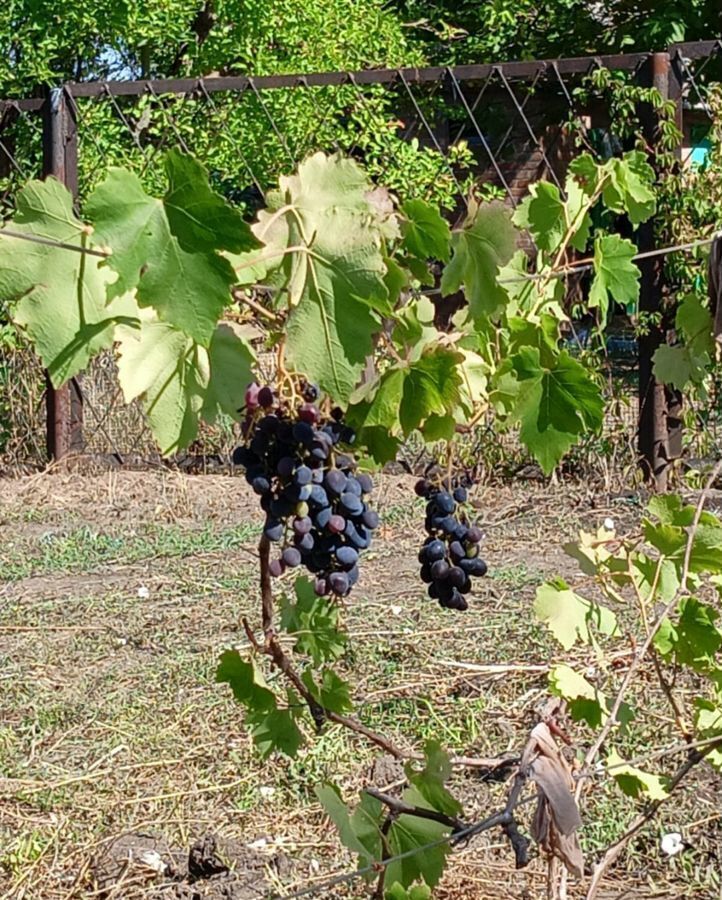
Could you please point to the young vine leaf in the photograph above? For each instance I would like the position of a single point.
(272, 728)
(426, 235)
(635, 782)
(313, 621)
(571, 617)
(430, 781)
(615, 275)
(486, 241)
(552, 398)
(689, 361)
(586, 702)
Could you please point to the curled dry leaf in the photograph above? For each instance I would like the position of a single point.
(556, 818)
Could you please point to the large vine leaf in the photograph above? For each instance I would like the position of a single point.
(58, 296)
(486, 241)
(170, 373)
(165, 249)
(231, 360)
(554, 400)
(330, 237)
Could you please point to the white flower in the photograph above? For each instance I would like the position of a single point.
(671, 843)
(266, 792)
(397, 610)
(609, 524)
(143, 592)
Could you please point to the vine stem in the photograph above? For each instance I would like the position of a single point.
(273, 648)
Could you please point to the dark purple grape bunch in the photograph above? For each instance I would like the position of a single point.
(450, 555)
(311, 492)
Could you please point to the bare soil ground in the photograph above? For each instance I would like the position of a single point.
(125, 771)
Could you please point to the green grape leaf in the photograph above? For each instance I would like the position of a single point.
(586, 703)
(439, 428)
(333, 269)
(694, 639)
(360, 831)
(396, 280)
(246, 680)
(543, 214)
(426, 234)
(415, 892)
(170, 373)
(415, 329)
(409, 833)
(708, 722)
(687, 362)
(615, 275)
(671, 541)
(201, 219)
(408, 396)
(570, 617)
(332, 693)
(633, 781)
(274, 730)
(154, 249)
(486, 242)
(314, 622)
(231, 359)
(430, 781)
(554, 400)
(630, 187)
(58, 296)
(431, 387)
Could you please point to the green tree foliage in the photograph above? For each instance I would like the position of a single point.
(498, 30)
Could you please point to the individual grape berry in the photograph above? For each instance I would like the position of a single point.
(261, 485)
(335, 481)
(370, 518)
(338, 582)
(265, 397)
(347, 556)
(311, 393)
(251, 397)
(276, 568)
(336, 524)
(308, 413)
(302, 475)
(291, 557)
(273, 530)
(460, 494)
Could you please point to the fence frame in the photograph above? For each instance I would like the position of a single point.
(659, 426)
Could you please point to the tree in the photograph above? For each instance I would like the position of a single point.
(498, 30)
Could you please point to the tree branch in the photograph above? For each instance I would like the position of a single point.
(406, 809)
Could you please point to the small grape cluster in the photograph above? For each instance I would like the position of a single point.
(450, 555)
(311, 493)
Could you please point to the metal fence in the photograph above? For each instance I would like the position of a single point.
(451, 131)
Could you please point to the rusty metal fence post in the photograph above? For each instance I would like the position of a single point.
(60, 159)
(659, 436)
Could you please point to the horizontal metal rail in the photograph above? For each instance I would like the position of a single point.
(426, 75)
(515, 70)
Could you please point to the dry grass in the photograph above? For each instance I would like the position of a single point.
(112, 723)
